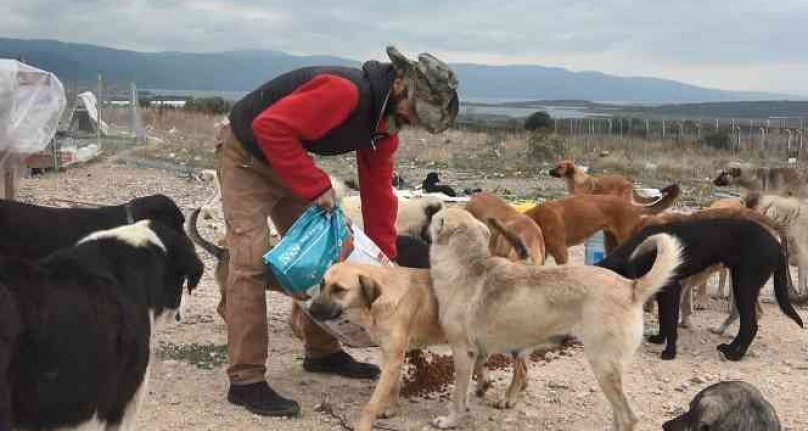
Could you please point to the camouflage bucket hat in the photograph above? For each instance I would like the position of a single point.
(432, 89)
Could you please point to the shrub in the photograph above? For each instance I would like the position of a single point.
(718, 140)
(538, 121)
(545, 148)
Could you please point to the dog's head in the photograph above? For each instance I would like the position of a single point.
(564, 168)
(183, 272)
(160, 208)
(452, 223)
(728, 175)
(432, 178)
(345, 286)
(726, 406)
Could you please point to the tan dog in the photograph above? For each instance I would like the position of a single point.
(398, 308)
(781, 181)
(491, 305)
(570, 221)
(485, 206)
(581, 183)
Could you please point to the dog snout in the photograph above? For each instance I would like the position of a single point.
(322, 310)
(721, 179)
(555, 173)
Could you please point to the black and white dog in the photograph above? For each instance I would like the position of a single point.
(727, 406)
(77, 351)
(747, 250)
(32, 231)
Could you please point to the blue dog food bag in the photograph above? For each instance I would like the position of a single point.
(315, 241)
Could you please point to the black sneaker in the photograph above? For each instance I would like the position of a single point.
(341, 364)
(260, 399)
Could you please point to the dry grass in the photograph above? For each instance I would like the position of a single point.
(518, 160)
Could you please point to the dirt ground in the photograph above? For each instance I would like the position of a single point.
(188, 382)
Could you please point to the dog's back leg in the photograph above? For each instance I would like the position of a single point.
(668, 300)
(608, 372)
(518, 382)
(465, 356)
(747, 280)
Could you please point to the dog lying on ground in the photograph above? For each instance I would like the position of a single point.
(492, 305)
(727, 406)
(32, 231)
(485, 206)
(581, 183)
(783, 181)
(412, 253)
(85, 315)
(432, 184)
(570, 221)
(745, 247)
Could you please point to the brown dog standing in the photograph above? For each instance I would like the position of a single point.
(569, 221)
(581, 183)
(485, 206)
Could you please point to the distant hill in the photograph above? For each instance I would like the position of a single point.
(244, 70)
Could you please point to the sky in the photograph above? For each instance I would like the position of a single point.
(748, 45)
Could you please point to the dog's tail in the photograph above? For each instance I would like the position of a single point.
(668, 259)
(217, 252)
(669, 195)
(782, 282)
(516, 242)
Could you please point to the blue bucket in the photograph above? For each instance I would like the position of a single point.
(594, 248)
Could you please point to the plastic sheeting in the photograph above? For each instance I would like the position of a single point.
(31, 104)
(90, 103)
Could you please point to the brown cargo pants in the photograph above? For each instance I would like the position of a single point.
(251, 192)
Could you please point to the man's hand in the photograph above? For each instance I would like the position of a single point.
(327, 200)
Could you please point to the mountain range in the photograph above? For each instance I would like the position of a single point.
(244, 70)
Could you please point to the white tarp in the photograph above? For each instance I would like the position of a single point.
(90, 103)
(31, 104)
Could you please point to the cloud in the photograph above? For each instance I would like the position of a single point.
(737, 44)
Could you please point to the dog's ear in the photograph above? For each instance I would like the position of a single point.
(752, 199)
(370, 289)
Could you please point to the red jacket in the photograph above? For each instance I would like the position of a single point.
(307, 114)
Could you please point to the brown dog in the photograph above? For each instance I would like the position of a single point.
(570, 221)
(485, 206)
(581, 183)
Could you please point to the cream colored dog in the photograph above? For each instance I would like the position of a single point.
(398, 308)
(492, 305)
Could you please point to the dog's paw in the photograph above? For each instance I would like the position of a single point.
(667, 355)
(389, 412)
(482, 388)
(656, 339)
(730, 353)
(444, 422)
(504, 403)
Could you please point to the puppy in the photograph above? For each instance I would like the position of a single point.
(492, 305)
(782, 181)
(485, 206)
(570, 221)
(581, 183)
(432, 184)
(727, 406)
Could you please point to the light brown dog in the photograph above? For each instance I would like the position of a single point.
(485, 206)
(490, 305)
(569, 221)
(581, 183)
(398, 308)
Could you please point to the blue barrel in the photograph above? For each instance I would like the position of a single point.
(594, 248)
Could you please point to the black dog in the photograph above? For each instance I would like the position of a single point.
(412, 252)
(747, 249)
(84, 320)
(32, 231)
(727, 406)
(432, 185)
